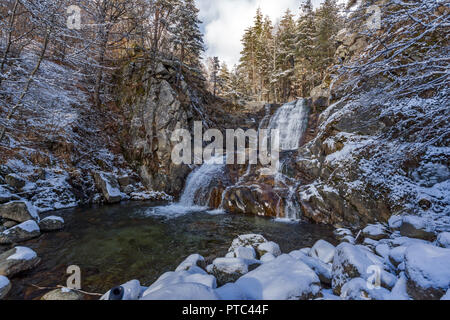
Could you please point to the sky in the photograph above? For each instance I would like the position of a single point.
(224, 22)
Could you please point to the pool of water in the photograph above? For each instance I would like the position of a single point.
(115, 244)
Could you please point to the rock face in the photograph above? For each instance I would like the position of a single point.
(22, 232)
(63, 294)
(428, 272)
(284, 278)
(18, 211)
(109, 186)
(52, 223)
(17, 260)
(5, 286)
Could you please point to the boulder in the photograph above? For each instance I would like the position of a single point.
(284, 278)
(15, 181)
(268, 247)
(109, 186)
(443, 240)
(428, 272)
(359, 289)
(9, 223)
(63, 294)
(22, 232)
(417, 227)
(5, 286)
(19, 211)
(193, 260)
(247, 240)
(131, 291)
(17, 260)
(183, 291)
(375, 232)
(323, 270)
(245, 253)
(52, 223)
(323, 251)
(397, 255)
(228, 270)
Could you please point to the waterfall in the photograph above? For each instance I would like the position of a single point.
(292, 121)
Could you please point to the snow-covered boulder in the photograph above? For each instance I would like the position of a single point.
(22, 232)
(443, 240)
(131, 290)
(323, 251)
(446, 296)
(193, 260)
(193, 275)
(268, 247)
(19, 211)
(375, 232)
(417, 227)
(267, 257)
(397, 255)
(109, 186)
(322, 269)
(395, 222)
(230, 291)
(341, 233)
(63, 294)
(17, 260)
(245, 253)
(230, 269)
(284, 278)
(183, 291)
(428, 270)
(247, 240)
(352, 261)
(52, 223)
(5, 286)
(360, 289)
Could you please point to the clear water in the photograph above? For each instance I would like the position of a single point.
(114, 244)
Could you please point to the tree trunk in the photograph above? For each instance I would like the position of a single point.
(9, 40)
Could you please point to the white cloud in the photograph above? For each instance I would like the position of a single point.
(226, 20)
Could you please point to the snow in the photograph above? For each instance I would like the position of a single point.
(132, 291)
(446, 296)
(284, 278)
(192, 260)
(54, 218)
(229, 292)
(267, 257)
(245, 253)
(23, 253)
(4, 282)
(28, 226)
(374, 230)
(252, 240)
(323, 251)
(358, 289)
(399, 292)
(182, 291)
(428, 266)
(443, 240)
(232, 265)
(269, 247)
(322, 269)
(395, 222)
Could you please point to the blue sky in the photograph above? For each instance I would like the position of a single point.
(224, 22)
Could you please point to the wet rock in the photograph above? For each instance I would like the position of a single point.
(284, 278)
(375, 232)
(15, 181)
(19, 211)
(52, 223)
(17, 260)
(109, 186)
(63, 294)
(5, 286)
(417, 227)
(228, 270)
(443, 240)
(22, 232)
(323, 251)
(428, 272)
(193, 260)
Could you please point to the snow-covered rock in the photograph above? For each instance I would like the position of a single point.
(17, 260)
(52, 223)
(397, 255)
(19, 211)
(129, 291)
(245, 253)
(230, 291)
(183, 291)
(395, 222)
(247, 240)
(399, 292)
(230, 269)
(192, 260)
(193, 275)
(109, 186)
(269, 247)
(428, 271)
(360, 289)
(375, 232)
(15, 181)
(446, 296)
(417, 227)
(323, 270)
(323, 251)
(284, 278)
(22, 232)
(63, 294)
(5, 286)
(267, 257)
(443, 240)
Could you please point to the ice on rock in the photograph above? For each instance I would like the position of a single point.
(192, 260)
(284, 278)
(323, 251)
(182, 291)
(428, 271)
